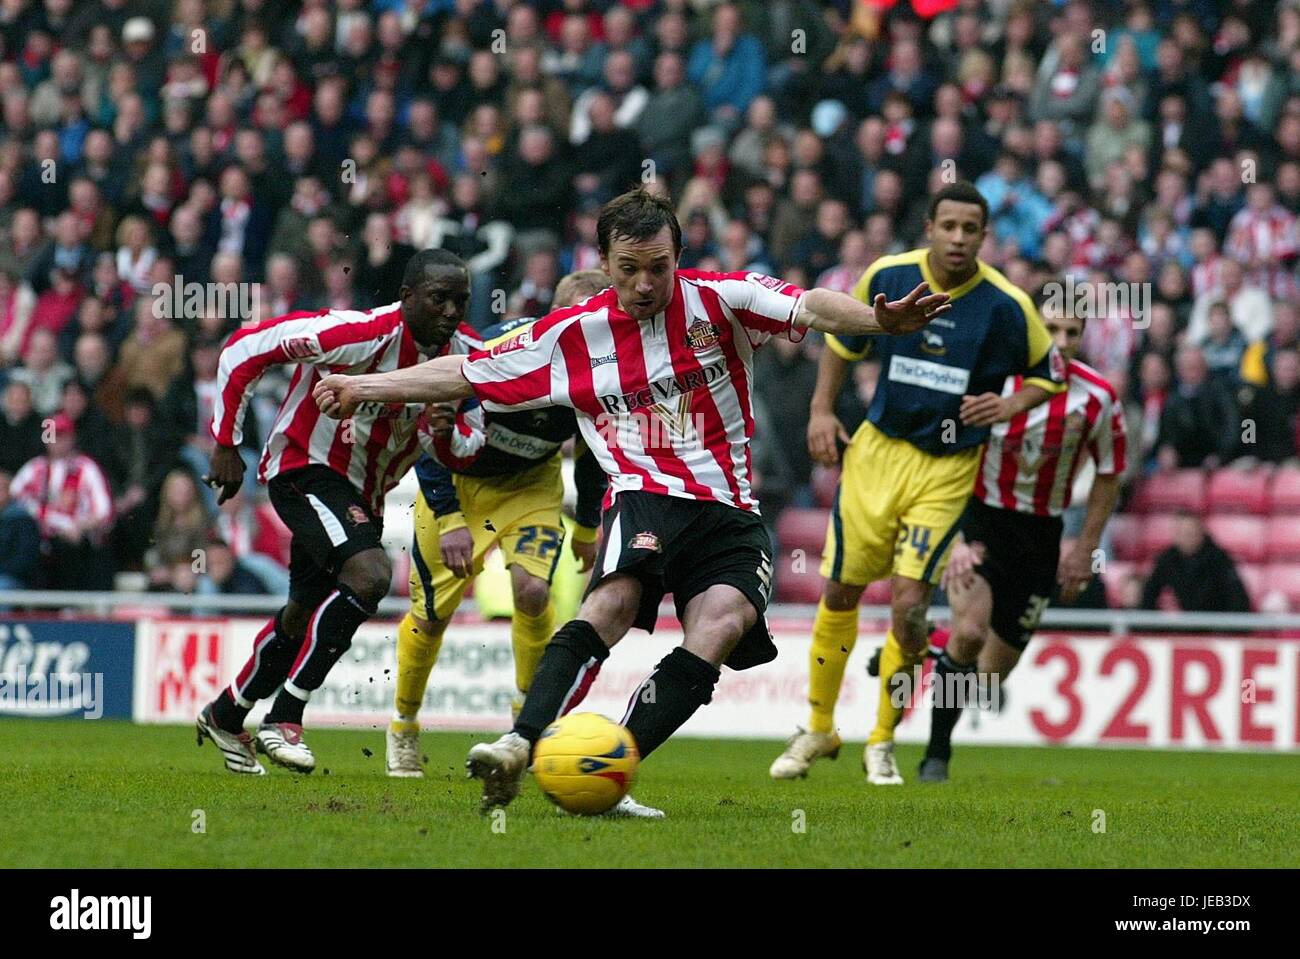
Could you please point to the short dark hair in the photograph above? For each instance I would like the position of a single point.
(637, 215)
(417, 264)
(963, 191)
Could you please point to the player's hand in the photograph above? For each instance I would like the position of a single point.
(911, 312)
(1075, 571)
(336, 396)
(985, 409)
(441, 417)
(960, 571)
(824, 431)
(584, 553)
(225, 472)
(457, 547)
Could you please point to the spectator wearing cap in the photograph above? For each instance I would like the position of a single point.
(67, 494)
(94, 431)
(729, 68)
(1199, 575)
(144, 55)
(20, 541)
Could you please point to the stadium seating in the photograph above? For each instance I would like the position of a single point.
(1284, 539)
(1244, 537)
(1238, 491)
(1113, 578)
(1284, 492)
(1254, 576)
(1285, 579)
(802, 529)
(824, 483)
(1169, 492)
(799, 587)
(1157, 534)
(1126, 536)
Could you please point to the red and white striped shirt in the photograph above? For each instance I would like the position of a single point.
(664, 404)
(381, 441)
(1030, 461)
(64, 494)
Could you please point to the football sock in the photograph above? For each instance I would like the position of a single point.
(946, 711)
(529, 636)
(833, 636)
(893, 659)
(417, 651)
(680, 684)
(267, 667)
(329, 634)
(573, 652)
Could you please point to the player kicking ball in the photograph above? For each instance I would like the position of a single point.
(659, 369)
(327, 480)
(1001, 577)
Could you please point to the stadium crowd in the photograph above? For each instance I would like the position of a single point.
(309, 148)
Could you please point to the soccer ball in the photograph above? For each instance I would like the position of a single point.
(585, 763)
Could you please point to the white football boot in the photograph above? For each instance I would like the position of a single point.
(878, 760)
(629, 808)
(284, 746)
(501, 765)
(236, 748)
(402, 753)
(801, 751)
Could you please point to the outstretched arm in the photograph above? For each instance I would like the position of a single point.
(438, 380)
(839, 313)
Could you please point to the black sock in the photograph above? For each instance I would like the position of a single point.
(575, 647)
(266, 668)
(680, 684)
(328, 637)
(945, 712)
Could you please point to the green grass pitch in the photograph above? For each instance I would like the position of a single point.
(110, 794)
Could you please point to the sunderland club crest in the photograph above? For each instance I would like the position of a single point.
(702, 335)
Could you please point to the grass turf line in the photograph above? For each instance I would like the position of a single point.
(109, 794)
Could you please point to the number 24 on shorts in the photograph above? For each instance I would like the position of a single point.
(920, 540)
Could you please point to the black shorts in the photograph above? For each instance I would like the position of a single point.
(1021, 553)
(330, 524)
(683, 546)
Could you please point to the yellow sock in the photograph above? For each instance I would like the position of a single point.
(834, 633)
(417, 651)
(529, 635)
(893, 659)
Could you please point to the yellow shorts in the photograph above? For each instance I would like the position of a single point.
(520, 513)
(896, 510)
